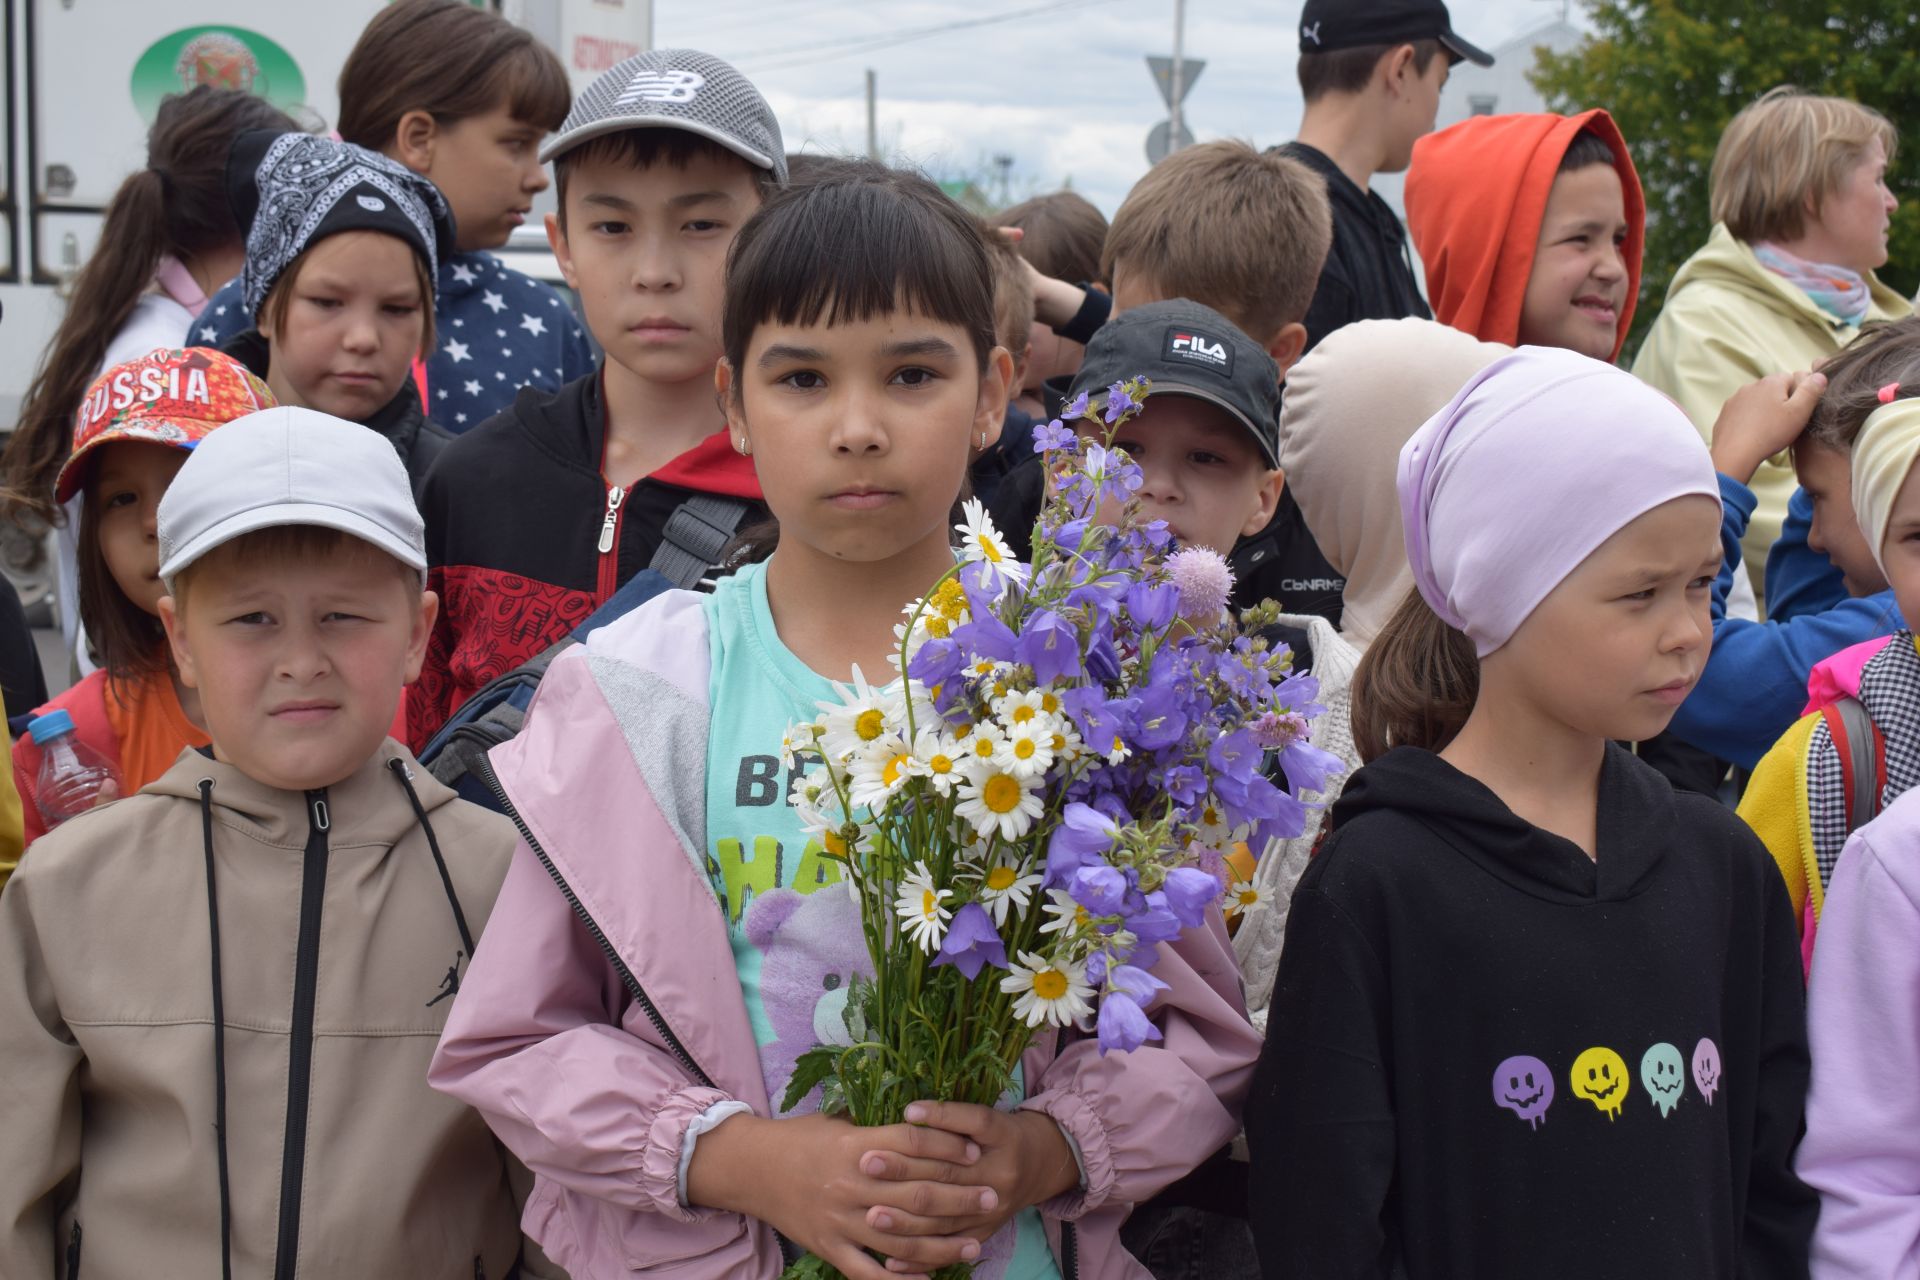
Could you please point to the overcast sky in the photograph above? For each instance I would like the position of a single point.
(1066, 92)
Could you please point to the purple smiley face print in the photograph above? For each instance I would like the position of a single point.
(1706, 1068)
(1524, 1086)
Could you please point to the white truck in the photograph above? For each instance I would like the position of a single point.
(82, 81)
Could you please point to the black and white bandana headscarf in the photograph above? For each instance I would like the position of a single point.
(290, 189)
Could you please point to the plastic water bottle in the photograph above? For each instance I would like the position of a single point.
(73, 776)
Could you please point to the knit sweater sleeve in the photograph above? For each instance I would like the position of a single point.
(1320, 1123)
(1258, 941)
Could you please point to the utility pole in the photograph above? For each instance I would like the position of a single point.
(1179, 73)
(873, 126)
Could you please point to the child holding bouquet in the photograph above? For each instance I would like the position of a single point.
(674, 936)
(1537, 1014)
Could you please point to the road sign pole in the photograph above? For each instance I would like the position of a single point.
(1178, 86)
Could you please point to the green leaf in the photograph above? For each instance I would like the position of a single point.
(814, 1066)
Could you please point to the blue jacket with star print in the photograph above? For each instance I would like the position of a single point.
(496, 330)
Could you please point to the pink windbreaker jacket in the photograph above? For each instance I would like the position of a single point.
(602, 1012)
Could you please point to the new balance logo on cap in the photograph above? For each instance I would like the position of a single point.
(1197, 348)
(661, 86)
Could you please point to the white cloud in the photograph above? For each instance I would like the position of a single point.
(1066, 94)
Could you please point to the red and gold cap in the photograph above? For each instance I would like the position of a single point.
(172, 397)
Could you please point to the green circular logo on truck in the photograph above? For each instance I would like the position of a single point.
(220, 56)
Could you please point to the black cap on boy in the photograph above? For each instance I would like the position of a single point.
(288, 190)
(1186, 349)
(1327, 25)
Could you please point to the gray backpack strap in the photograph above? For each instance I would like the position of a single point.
(697, 532)
(1863, 764)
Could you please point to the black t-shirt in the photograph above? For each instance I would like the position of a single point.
(1368, 273)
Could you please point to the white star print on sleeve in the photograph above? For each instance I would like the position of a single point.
(463, 273)
(209, 334)
(533, 325)
(472, 388)
(493, 302)
(457, 351)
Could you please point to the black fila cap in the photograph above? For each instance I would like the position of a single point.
(1186, 349)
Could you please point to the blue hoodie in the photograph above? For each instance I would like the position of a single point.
(1755, 684)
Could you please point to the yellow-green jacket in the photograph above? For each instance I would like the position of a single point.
(1729, 321)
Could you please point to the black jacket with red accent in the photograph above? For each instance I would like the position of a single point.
(525, 537)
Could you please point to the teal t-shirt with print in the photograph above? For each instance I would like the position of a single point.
(794, 926)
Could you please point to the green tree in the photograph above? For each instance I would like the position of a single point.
(1674, 72)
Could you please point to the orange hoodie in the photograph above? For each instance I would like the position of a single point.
(1476, 195)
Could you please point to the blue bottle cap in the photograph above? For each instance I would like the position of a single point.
(49, 726)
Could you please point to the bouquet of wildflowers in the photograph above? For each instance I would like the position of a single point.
(1047, 793)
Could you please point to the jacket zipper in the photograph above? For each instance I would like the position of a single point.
(788, 1251)
(632, 984)
(1069, 1252)
(609, 544)
(306, 980)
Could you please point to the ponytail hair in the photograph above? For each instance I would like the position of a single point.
(176, 205)
(1416, 685)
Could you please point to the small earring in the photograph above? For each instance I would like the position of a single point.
(983, 439)
(740, 445)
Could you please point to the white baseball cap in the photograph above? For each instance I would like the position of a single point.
(287, 466)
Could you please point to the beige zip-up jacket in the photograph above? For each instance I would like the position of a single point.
(340, 946)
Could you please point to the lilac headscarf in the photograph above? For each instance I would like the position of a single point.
(1541, 458)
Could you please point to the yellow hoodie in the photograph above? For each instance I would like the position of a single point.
(1729, 321)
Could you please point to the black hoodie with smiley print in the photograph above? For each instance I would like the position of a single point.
(1490, 1056)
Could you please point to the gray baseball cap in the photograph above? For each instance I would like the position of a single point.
(1188, 350)
(285, 466)
(676, 89)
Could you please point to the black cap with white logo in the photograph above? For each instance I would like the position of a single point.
(1326, 25)
(1186, 349)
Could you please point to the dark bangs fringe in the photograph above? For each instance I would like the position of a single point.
(858, 244)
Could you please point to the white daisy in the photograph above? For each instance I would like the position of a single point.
(880, 770)
(1244, 898)
(981, 744)
(1211, 820)
(983, 670)
(993, 798)
(1003, 887)
(1065, 741)
(1066, 913)
(1027, 749)
(815, 788)
(795, 743)
(859, 719)
(1050, 991)
(921, 907)
(1024, 706)
(940, 758)
(982, 542)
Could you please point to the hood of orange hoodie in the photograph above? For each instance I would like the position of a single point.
(1476, 195)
